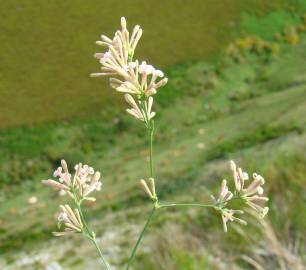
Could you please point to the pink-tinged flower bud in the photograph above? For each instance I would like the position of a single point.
(71, 219)
(53, 184)
(123, 23)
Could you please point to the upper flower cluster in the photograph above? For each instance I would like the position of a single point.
(138, 81)
(84, 181)
(250, 195)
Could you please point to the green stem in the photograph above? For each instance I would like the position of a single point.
(150, 135)
(100, 252)
(82, 218)
(186, 205)
(90, 235)
(140, 238)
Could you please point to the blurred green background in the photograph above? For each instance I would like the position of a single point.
(237, 90)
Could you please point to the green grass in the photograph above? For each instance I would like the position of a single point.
(251, 112)
(48, 46)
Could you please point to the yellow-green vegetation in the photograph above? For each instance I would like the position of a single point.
(47, 48)
(252, 110)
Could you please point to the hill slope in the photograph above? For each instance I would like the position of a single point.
(47, 48)
(252, 111)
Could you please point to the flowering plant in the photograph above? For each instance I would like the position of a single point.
(139, 82)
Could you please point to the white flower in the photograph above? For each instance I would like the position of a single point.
(224, 196)
(245, 176)
(145, 69)
(148, 82)
(134, 78)
(128, 76)
(228, 215)
(62, 192)
(120, 50)
(71, 219)
(238, 175)
(125, 87)
(251, 196)
(84, 181)
(149, 188)
(252, 193)
(145, 114)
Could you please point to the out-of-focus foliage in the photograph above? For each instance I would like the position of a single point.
(47, 48)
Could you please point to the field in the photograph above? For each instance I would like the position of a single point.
(247, 102)
(48, 47)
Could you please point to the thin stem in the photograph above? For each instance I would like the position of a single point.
(150, 129)
(186, 205)
(150, 133)
(100, 252)
(139, 239)
(82, 218)
(90, 235)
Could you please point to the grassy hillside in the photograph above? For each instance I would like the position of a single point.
(248, 105)
(47, 48)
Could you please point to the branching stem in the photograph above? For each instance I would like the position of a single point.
(150, 131)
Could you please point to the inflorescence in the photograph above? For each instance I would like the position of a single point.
(84, 181)
(139, 82)
(250, 196)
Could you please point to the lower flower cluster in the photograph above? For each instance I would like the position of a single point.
(251, 196)
(84, 181)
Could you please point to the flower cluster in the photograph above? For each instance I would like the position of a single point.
(78, 187)
(226, 214)
(71, 219)
(139, 81)
(251, 196)
(84, 181)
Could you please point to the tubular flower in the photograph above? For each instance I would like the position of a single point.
(120, 49)
(251, 194)
(149, 188)
(70, 219)
(140, 80)
(226, 214)
(64, 182)
(239, 176)
(148, 79)
(137, 111)
(224, 196)
(84, 181)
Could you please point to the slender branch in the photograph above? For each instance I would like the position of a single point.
(139, 239)
(94, 240)
(89, 234)
(151, 133)
(83, 218)
(150, 130)
(186, 205)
